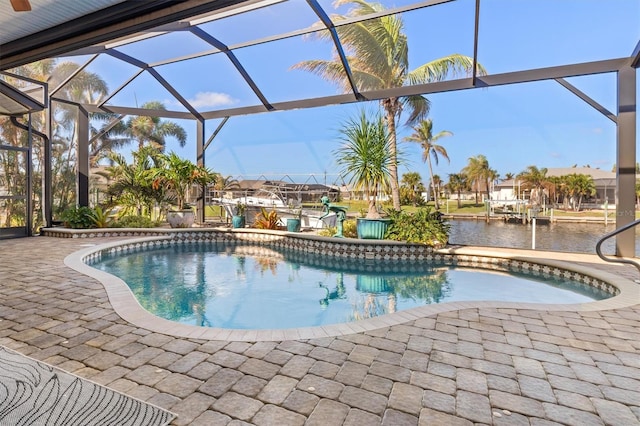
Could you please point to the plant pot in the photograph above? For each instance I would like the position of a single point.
(293, 224)
(181, 218)
(237, 221)
(372, 229)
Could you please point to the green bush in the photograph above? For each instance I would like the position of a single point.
(266, 219)
(348, 230)
(425, 226)
(101, 218)
(410, 198)
(78, 217)
(133, 222)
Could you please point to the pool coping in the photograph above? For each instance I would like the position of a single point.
(126, 305)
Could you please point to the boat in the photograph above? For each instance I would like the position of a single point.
(270, 200)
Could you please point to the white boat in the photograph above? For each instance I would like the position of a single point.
(310, 219)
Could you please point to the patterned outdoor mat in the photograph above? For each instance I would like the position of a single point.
(34, 393)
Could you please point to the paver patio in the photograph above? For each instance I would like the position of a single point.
(471, 366)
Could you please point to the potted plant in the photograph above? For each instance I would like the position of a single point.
(294, 223)
(365, 157)
(238, 219)
(177, 175)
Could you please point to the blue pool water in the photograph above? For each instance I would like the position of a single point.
(248, 287)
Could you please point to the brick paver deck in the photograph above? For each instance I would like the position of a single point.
(471, 366)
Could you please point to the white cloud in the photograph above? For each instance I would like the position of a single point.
(211, 99)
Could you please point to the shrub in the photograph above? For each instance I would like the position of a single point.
(425, 226)
(101, 218)
(348, 230)
(411, 198)
(266, 220)
(133, 222)
(78, 217)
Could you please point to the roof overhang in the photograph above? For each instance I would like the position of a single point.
(13, 101)
(119, 20)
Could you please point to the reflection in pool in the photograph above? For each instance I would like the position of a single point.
(251, 287)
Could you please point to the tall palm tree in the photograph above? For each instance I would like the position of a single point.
(423, 135)
(378, 55)
(365, 157)
(142, 129)
(534, 179)
(479, 173)
(458, 182)
(153, 130)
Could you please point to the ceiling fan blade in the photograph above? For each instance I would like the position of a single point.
(21, 5)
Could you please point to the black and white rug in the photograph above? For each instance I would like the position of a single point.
(34, 393)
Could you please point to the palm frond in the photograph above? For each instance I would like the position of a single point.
(418, 107)
(332, 71)
(451, 66)
(169, 128)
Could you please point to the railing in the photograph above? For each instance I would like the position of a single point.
(612, 234)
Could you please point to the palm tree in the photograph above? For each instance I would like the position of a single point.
(153, 130)
(133, 184)
(412, 181)
(534, 179)
(437, 182)
(110, 138)
(508, 176)
(365, 157)
(224, 183)
(555, 187)
(423, 134)
(479, 173)
(178, 175)
(579, 185)
(458, 182)
(378, 55)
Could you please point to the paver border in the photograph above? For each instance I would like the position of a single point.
(126, 305)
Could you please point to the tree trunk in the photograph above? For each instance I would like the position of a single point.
(373, 210)
(393, 167)
(433, 185)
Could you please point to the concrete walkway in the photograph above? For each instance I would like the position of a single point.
(472, 366)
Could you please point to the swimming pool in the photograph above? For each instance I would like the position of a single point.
(240, 286)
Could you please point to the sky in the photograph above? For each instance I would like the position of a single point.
(514, 126)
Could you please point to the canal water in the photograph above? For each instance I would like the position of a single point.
(566, 237)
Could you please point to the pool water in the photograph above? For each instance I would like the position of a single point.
(248, 287)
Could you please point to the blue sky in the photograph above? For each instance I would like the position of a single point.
(515, 126)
